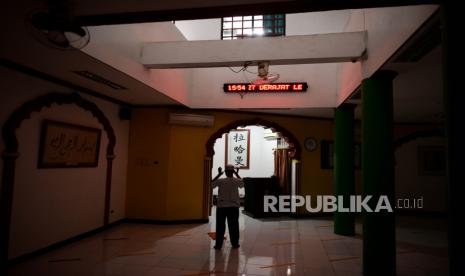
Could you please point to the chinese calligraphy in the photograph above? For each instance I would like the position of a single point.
(238, 161)
(237, 148)
(238, 137)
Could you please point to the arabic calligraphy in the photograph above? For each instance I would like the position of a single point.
(62, 145)
(69, 145)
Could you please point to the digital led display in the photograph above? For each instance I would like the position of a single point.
(265, 88)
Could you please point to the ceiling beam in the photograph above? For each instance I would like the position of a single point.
(304, 49)
(93, 13)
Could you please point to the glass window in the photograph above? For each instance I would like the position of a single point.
(253, 26)
(237, 25)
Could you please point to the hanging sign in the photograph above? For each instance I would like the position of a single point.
(237, 148)
(295, 87)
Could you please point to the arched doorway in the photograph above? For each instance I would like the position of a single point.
(290, 139)
(11, 153)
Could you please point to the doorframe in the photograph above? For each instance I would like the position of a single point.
(293, 142)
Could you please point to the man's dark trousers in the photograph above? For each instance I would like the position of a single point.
(232, 214)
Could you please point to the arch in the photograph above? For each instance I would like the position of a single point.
(10, 154)
(418, 134)
(290, 138)
(36, 105)
(209, 146)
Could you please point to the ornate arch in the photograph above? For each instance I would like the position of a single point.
(36, 105)
(11, 153)
(209, 146)
(290, 138)
(418, 134)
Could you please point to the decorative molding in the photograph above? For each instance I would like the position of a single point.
(36, 105)
(290, 138)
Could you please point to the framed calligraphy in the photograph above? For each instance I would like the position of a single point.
(327, 155)
(64, 145)
(237, 148)
(431, 160)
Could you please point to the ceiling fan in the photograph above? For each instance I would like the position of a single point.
(264, 76)
(56, 28)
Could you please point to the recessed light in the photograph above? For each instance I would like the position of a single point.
(99, 79)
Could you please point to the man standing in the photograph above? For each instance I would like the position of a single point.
(227, 205)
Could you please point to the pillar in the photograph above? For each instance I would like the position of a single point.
(454, 100)
(379, 248)
(343, 178)
(107, 205)
(8, 180)
(207, 187)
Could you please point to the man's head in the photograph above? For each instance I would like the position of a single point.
(229, 170)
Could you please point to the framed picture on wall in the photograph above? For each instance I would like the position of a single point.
(327, 155)
(431, 160)
(237, 148)
(327, 151)
(64, 145)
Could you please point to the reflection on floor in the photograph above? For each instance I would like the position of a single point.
(268, 247)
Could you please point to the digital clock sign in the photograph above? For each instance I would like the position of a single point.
(265, 88)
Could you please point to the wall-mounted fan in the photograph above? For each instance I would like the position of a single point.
(263, 75)
(55, 27)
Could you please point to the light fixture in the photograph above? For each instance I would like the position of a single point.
(99, 79)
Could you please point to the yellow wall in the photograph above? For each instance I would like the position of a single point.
(185, 183)
(149, 142)
(173, 189)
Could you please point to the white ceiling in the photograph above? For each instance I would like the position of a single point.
(418, 89)
(22, 48)
(417, 93)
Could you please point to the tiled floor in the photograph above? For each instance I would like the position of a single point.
(268, 247)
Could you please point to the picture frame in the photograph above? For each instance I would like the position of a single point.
(237, 148)
(65, 145)
(432, 160)
(327, 155)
